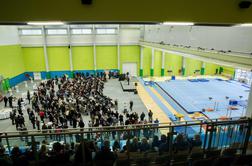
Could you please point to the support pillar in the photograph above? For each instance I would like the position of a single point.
(202, 70)
(118, 49)
(70, 51)
(48, 75)
(249, 108)
(183, 66)
(94, 49)
(141, 61)
(163, 63)
(152, 62)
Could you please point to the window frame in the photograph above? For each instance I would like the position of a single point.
(55, 34)
(106, 31)
(82, 30)
(30, 29)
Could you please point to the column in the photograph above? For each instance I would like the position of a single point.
(118, 48)
(70, 50)
(48, 75)
(163, 64)
(152, 62)
(183, 66)
(202, 71)
(94, 48)
(141, 61)
(249, 108)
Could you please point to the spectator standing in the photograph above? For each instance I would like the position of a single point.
(5, 101)
(131, 105)
(10, 101)
(150, 114)
(29, 96)
(142, 116)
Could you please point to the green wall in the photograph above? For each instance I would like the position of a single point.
(11, 61)
(106, 57)
(146, 61)
(83, 58)
(34, 60)
(58, 58)
(130, 54)
(157, 63)
(191, 65)
(228, 70)
(210, 68)
(172, 62)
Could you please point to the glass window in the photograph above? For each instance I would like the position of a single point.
(244, 76)
(56, 31)
(31, 32)
(106, 31)
(81, 31)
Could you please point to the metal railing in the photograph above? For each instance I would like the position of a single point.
(214, 134)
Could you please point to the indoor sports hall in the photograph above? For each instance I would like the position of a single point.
(89, 82)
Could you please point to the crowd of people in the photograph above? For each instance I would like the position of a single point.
(88, 152)
(61, 103)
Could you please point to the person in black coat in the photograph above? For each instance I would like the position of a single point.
(74, 122)
(131, 105)
(29, 96)
(5, 101)
(10, 101)
(81, 124)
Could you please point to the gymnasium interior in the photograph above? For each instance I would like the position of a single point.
(127, 83)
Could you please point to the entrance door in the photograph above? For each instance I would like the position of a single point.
(130, 67)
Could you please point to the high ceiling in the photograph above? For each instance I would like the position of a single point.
(199, 11)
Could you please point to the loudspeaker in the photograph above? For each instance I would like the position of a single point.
(86, 2)
(244, 4)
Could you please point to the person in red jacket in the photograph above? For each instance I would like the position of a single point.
(42, 115)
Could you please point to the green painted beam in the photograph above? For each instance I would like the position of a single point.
(162, 72)
(202, 71)
(183, 71)
(48, 75)
(141, 72)
(151, 72)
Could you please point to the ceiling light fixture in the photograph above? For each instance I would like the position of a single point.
(244, 25)
(178, 23)
(45, 23)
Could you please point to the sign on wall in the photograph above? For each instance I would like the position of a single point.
(37, 75)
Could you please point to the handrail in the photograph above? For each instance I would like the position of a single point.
(117, 128)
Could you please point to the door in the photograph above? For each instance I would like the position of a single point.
(130, 67)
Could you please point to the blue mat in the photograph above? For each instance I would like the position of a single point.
(246, 86)
(193, 80)
(203, 80)
(194, 96)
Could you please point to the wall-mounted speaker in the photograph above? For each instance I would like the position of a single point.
(86, 2)
(245, 4)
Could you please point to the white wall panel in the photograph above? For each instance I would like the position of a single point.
(129, 36)
(82, 39)
(106, 39)
(9, 35)
(31, 40)
(57, 40)
(220, 38)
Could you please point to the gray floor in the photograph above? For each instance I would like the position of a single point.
(112, 89)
